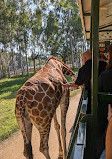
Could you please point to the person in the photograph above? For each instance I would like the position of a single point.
(84, 76)
(104, 85)
(105, 79)
(102, 63)
(107, 153)
(108, 142)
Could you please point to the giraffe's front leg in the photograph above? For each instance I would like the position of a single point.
(64, 108)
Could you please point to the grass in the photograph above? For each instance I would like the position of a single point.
(8, 91)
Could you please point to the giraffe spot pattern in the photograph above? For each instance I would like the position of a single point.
(35, 112)
(50, 92)
(39, 96)
(32, 92)
(44, 86)
(40, 107)
(28, 95)
(31, 105)
(43, 114)
(28, 84)
(46, 100)
(39, 120)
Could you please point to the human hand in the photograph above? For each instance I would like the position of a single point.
(109, 112)
(66, 85)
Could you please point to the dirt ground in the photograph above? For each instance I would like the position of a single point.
(12, 148)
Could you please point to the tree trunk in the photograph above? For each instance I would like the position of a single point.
(20, 65)
(71, 46)
(39, 63)
(8, 70)
(34, 65)
(13, 66)
(0, 67)
(27, 64)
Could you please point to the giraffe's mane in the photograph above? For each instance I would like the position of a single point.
(53, 57)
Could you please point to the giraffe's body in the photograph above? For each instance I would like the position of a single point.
(36, 104)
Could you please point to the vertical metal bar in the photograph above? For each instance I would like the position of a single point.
(91, 30)
(94, 84)
(95, 51)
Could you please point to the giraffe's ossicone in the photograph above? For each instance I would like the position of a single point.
(36, 104)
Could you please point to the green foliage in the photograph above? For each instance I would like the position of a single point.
(48, 28)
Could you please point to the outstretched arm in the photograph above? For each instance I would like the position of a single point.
(67, 85)
(109, 134)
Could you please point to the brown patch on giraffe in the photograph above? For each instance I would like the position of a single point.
(22, 92)
(43, 125)
(51, 115)
(46, 100)
(44, 86)
(29, 104)
(29, 111)
(28, 95)
(38, 97)
(17, 106)
(25, 100)
(32, 92)
(17, 99)
(46, 119)
(39, 120)
(28, 84)
(58, 95)
(40, 89)
(34, 104)
(35, 112)
(21, 97)
(60, 89)
(21, 103)
(43, 114)
(40, 107)
(24, 138)
(48, 108)
(20, 109)
(50, 92)
(33, 118)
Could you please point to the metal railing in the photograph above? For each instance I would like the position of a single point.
(77, 130)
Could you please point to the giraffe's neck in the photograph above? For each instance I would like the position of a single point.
(68, 71)
(58, 64)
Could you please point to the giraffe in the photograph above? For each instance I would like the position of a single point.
(36, 105)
